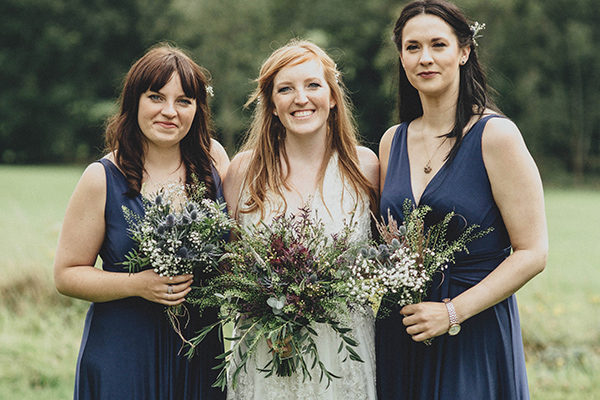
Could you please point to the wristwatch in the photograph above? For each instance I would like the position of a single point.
(454, 325)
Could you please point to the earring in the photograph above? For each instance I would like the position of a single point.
(275, 113)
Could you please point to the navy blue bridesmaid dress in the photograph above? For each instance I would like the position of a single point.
(129, 349)
(486, 359)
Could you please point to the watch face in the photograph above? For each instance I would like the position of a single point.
(454, 329)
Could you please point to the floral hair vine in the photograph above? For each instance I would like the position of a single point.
(475, 29)
(210, 91)
(337, 74)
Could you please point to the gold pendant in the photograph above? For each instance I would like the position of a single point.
(427, 168)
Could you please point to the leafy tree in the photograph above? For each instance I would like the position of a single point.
(61, 62)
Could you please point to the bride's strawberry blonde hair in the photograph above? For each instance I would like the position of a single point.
(265, 138)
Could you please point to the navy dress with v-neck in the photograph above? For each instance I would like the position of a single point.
(486, 359)
(129, 349)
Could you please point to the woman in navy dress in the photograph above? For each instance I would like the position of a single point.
(161, 134)
(454, 152)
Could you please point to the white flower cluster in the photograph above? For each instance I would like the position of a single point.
(377, 273)
(177, 233)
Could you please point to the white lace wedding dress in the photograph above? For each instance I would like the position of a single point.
(357, 382)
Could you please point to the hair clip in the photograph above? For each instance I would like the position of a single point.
(475, 28)
(210, 91)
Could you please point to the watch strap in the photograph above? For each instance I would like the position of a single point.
(451, 311)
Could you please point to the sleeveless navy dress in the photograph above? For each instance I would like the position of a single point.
(129, 349)
(486, 359)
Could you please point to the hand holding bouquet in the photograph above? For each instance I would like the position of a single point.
(401, 269)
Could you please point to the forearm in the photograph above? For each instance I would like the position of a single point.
(92, 284)
(514, 272)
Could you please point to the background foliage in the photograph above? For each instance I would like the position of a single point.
(62, 61)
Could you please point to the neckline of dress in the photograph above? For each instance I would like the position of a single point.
(442, 168)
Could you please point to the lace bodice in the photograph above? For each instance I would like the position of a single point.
(337, 205)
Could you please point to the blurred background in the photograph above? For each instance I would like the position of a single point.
(62, 63)
(61, 66)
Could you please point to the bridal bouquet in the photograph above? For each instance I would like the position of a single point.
(401, 269)
(275, 282)
(179, 232)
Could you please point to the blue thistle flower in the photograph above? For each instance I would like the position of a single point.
(183, 252)
(373, 252)
(170, 220)
(384, 252)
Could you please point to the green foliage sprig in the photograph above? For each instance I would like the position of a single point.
(276, 281)
(400, 270)
(181, 231)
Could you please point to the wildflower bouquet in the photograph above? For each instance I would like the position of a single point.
(401, 269)
(276, 281)
(179, 232)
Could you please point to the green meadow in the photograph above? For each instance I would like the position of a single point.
(40, 330)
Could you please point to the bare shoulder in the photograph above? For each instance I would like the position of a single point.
(366, 156)
(388, 136)
(240, 162)
(369, 163)
(89, 196)
(236, 174)
(501, 137)
(93, 178)
(220, 158)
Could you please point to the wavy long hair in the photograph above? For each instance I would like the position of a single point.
(473, 97)
(124, 137)
(265, 138)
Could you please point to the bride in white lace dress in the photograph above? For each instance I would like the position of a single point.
(302, 149)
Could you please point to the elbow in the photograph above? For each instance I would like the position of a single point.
(540, 260)
(60, 282)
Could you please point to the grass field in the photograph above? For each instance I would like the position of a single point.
(40, 330)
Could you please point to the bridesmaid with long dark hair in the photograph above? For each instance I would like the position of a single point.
(454, 151)
(161, 134)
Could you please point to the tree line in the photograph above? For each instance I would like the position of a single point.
(62, 63)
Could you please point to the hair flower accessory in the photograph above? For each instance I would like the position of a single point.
(475, 29)
(210, 91)
(337, 74)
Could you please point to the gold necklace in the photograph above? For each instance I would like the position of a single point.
(168, 177)
(427, 168)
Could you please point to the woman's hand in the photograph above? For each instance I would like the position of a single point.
(170, 291)
(425, 320)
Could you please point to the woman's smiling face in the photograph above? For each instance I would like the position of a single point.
(302, 98)
(165, 117)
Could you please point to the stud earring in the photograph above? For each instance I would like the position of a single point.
(275, 113)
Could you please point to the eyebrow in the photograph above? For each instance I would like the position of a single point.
(435, 39)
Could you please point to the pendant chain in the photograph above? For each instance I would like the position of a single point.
(427, 168)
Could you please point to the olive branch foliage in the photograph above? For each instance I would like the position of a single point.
(276, 281)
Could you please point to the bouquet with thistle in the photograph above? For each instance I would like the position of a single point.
(181, 231)
(275, 282)
(401, 269)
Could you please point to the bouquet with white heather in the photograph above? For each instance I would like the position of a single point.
(401, 269)
(275, 282)
(180, 232)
